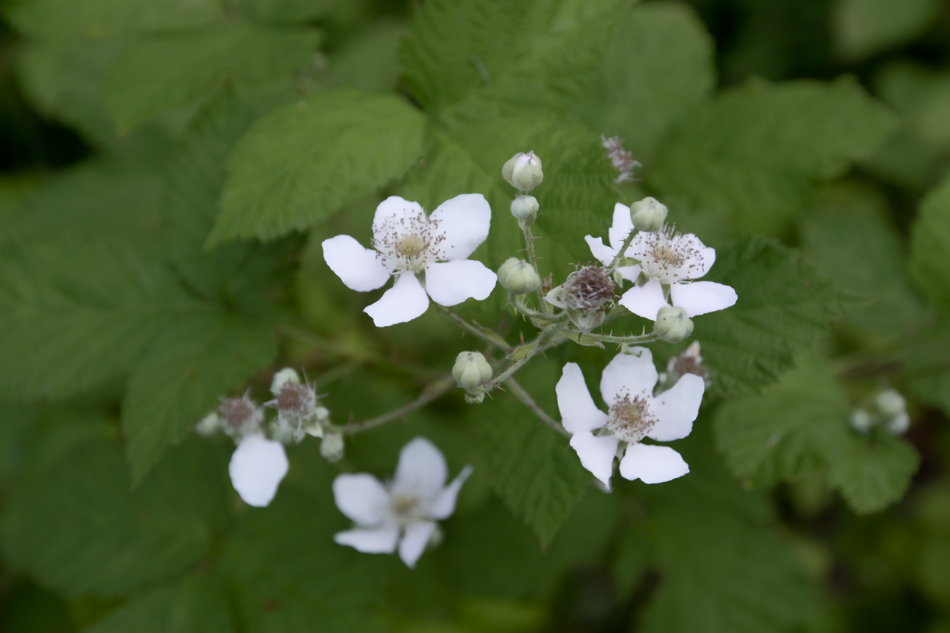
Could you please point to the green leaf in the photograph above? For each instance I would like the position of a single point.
(756, 153)
(192, 605)
(723, 568)
(867, 26)
(75, 312)
(525, 52)
(305, 161)
(185, 372)
(287, 573)
(283, 11)
(577, 197)
(930, 243)
(65, 19)
(784, 306)
(533, 469)
(659, 68)
(800, 425)
(78, 529)
(852, 242)
(175, 70)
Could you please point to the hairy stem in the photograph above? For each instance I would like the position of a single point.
(540, 343)
(432, 391)
(532, 255)
(623, 249)
(486, 334)
(525, 398)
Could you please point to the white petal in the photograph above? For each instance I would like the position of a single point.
(578, 411)
(645, 301)
(421, 470)
(414, 541)
(630, 273)
(601, 252)
(257, 467)
(628, 374)
(676, 408)
(700, 263)
(405, 301)
(596, 453)
(451, 283)
(700, 297)
(463, 221)
(652, 464)
(622, 226)
(362, 498)
(379, 541)
(394, 211)
(359, 268)
(444, 504)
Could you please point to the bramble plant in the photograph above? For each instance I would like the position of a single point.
(474, 316)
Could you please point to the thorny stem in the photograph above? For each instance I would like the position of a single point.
(610, 338)
(432, 391)
(532, 255)
(487, 335)
(623, 249)
(534, 347)
(525, 398)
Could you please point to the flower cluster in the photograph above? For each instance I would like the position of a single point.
(887, 410)
(646, 268)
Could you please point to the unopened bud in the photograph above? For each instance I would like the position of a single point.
(648, 215)
(523, 171)
(332, 447)
(525, 208)
(281, 378)
(208, 425)
(518, 277)
(861, 421)
(890, 403)
(672, 324)
(899, 424)
(471, 370)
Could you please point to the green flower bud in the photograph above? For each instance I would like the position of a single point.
(208, 425)
(332, 447)
(518, 277)
(281, 378)
(471, 370)
(648, 215)
(890, 403)
(672, 325)
(525, 208)
(899, 424)
(861, 421)
(523, 171)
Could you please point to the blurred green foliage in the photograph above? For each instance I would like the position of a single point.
(170, 168)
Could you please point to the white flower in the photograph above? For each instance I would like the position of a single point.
(408, 242)
(405, 510)
(257, 467)
(627, 386)
(617, 233)
(297, 411)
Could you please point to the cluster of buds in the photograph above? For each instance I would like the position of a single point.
(471, 371)
(888, 410)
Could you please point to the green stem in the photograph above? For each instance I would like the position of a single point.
(487, 335)
(610, 338)
(533, 348)
(532, 255)
(432, 391)
(525, 398)
(623, 249)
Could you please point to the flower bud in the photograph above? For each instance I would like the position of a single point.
(471, 370)
(281, 378)
(899, 423)
(672, 325)
(890, 403)
(648, 215)
(525, 208)
(332, 447)
(208, 425)
(523, 171)
(861, 421)
(518, 277)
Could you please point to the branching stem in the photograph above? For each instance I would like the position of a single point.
(525, 398)
(432, 391)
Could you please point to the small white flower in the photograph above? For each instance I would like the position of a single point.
(402, 512)
(618, 232)
(240, 417)
(673, 261)
(408, 242)
(257, 467)
(634, 413)
(296, 404)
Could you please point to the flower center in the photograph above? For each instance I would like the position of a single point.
(664, 253)
(630, 418)
(405, 508)
(297, 400)
(410, 245)
(239, 414)
(591, 287)
(668, 258)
